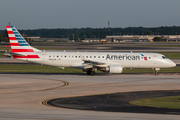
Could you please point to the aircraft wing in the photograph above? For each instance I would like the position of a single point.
(93, 62)
(90, 64)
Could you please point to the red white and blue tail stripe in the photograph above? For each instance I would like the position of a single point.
(19, 45)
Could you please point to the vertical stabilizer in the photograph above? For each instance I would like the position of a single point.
(18, 43)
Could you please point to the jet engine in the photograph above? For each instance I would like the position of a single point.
(114, 69)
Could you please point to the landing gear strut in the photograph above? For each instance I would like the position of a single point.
(156, 71)
(90, 72)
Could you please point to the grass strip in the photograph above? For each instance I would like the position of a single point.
(151, 45)
(2, 54)
(51, 43)
(172, 102)
(4, 68)
(171, 55)
(54, 48)
(35, 69)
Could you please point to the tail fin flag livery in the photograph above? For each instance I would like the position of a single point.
(19, 45)
(111, 62)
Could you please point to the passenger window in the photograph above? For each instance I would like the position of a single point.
(72, 56)
(86, 56)
(149, 57)
(65, 56)
(94, 56)
(49, 56)
(76, 56)
(90, 56)
(98, 56)
(102, 56)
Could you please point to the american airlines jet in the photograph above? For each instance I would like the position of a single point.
(112, 62)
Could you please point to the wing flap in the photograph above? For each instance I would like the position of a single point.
(90, 64)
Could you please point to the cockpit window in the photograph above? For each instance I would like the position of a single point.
(164, 57)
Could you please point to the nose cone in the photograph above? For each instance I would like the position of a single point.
(172, 64)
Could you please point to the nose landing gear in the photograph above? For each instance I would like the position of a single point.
(156, 71)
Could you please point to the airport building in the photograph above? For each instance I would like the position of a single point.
(173, 38)
(32, 38)
(141, 38)
(112, 39)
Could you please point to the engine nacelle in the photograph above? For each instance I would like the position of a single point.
(114, 69)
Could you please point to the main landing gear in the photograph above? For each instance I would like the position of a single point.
(91, 72)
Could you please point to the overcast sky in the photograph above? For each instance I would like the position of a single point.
(34, 14)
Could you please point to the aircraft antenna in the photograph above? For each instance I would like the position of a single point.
(108, 24)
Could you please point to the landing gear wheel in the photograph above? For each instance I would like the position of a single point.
(89, 72)
(92, 73)
(156, 73)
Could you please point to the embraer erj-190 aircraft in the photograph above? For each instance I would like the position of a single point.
(112, 62)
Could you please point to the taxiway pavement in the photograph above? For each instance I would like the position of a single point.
(22, 94)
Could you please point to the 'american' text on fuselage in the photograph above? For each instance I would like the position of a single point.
(122, 57)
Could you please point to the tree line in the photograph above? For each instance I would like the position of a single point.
(3, 37)
(82, 33)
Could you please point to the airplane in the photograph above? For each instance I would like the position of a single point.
(111, 62)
